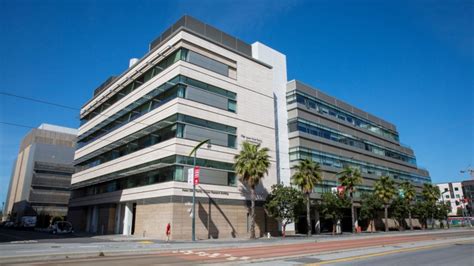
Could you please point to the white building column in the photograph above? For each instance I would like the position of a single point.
(127, 219)
(278, 62)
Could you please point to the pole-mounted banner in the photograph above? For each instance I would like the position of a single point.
(196, 175)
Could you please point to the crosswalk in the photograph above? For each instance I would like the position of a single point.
(212, 255)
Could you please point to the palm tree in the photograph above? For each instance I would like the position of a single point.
(307, 175)
(251, 164)
(350, 178)
(409, 194)
(385, 190)
(431, 194)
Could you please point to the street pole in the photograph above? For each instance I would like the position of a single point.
(194, 200)
(195, 149)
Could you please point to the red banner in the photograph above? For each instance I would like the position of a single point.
(196, 175)
(341, 190)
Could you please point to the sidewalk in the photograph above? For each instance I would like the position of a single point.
(130, 245)
(289, 238)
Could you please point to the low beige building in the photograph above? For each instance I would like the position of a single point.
(41, 174)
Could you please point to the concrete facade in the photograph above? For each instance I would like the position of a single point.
(41, 174)
(249, 79)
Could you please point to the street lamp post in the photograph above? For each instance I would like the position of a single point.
(195, 149)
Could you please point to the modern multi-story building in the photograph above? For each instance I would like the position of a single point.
(452, 193)
(41, 175)
(199, 83)
(335, 134)
(137, 131)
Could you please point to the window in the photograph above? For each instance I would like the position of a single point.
(176, 87)
(207, 63)
(322, 131)
(324, 108)
(457, 196)
(231, 179)
(446, 190)
(301, 153)
(456, 189)
(232, 106)
(175, 126)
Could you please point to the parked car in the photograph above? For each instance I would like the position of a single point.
(62, 227)
(9, 224)
(28, 221)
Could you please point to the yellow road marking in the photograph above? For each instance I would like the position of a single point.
(145, 242)
(384, 253)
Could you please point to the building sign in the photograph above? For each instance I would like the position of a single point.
(206, 191)
(252, 140)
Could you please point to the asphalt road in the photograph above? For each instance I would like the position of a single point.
(335, 251)
(461, 254)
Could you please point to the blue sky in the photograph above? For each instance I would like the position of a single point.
(409, 62)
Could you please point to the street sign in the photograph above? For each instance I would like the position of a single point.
(190, 176)
(196, 175)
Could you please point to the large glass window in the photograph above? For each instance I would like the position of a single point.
(324, 108)
(179, 125)
(176, 87)
(180, 54)
(316, 129)
(301, 153)
(212, 172)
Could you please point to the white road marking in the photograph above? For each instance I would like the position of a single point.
(202, 254)
(244, 258)
(231, 258)
(214, 255)
(188, 252)
(175, 251)
(227, 255)
(23, 242)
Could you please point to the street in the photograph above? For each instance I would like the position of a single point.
(424, 247)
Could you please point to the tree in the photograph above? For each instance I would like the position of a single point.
(409, 195)
(251, 164)
(307, 175)
(431, 194)
(284, 204)
(333, 207)
(442, 211)
(421, 210)
(370, 205)
(399, 210)
(350, 178)
(385, 190)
